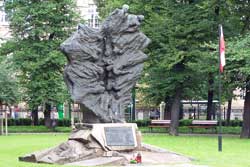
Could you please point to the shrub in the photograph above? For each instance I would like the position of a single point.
(41, 121)
(63, 122)
(28, 121)
(185, 122)
(19, 121)
(141, 123)
(235, 123)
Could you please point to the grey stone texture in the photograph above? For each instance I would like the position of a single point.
(87, 146)
(104, 65)
(84, 144)
(119, 136)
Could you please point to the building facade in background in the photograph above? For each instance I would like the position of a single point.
(88, 11)
(4, 24)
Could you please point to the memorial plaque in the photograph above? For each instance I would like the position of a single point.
(119, 136)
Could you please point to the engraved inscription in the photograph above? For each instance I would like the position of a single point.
(119, 136)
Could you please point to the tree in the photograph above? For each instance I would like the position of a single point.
(177, 30)
(183, 55)
(9, 92)
(38, 28)
(240, 52)
(238, 66)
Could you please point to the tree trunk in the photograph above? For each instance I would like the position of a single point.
(167, 113)
(35, 116)
(245, 131)
(6, 121)
(181, 114)
(1, 119)
(210, 95)
(1, 126)
(229, 106)
(10, 109)
(47, 119)
(173, 130)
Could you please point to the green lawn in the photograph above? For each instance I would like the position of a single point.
(13, 146)
(236, 152)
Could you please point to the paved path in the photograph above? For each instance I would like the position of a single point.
(178, 165)
(156, 157)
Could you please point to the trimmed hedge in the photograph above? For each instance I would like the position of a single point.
(187, 122)
(140, 123)
(28, 121)
(19, 121)
(233, 123)
(64, 122)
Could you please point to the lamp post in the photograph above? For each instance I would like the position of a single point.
(1, 122)
(133, 104)
(6, 122)
(162, 109)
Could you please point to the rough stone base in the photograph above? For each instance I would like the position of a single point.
(100, 161)
(85, 147)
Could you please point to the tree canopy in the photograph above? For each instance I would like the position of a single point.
(9, 89)
(183, 55)
(38, 28)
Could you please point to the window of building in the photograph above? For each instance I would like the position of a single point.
(96, 21)
(242, 94)
(93, 20)
(3, 17)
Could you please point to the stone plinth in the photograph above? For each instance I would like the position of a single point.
(106, 144)
(89, 142)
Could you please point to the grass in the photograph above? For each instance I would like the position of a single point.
(205, 150)
(13, 146)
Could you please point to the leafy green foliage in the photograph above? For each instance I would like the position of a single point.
(184, 49)
(9, 91)
(177, 56)
(238, 60)
(38, 28)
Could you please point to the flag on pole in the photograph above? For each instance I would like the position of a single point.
(222, 50)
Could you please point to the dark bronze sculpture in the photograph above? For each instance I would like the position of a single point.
(104, 65)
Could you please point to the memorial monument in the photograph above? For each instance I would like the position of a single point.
(103, 67)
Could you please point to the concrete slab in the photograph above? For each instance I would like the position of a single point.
(158, 159)
(176, 165)
(115, 161)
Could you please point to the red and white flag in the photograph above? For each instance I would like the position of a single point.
(222, 49)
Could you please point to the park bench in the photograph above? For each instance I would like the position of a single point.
(205, 124)
(159, 124)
